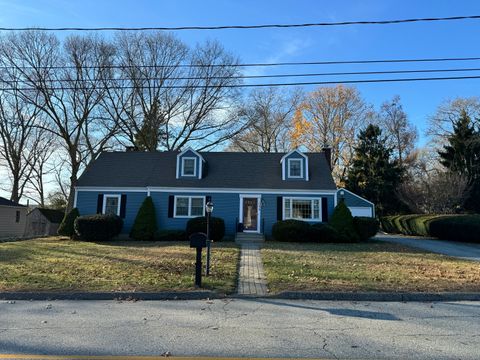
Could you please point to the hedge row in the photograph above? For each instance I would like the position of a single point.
(446, 227)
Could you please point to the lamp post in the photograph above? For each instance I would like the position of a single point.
(209, 210)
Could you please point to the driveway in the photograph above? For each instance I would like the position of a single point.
(451, 248)
(243, 328)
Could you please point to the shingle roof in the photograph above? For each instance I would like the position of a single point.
(54, 216)
(224, 170)
(6, 202)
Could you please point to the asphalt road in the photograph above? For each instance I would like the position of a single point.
(243, 327)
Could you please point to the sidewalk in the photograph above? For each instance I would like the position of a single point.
(251, 279)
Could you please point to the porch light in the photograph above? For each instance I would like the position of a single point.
(209, 207)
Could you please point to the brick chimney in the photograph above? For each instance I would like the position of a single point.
(328, 155)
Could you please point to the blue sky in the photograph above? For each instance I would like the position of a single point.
(441, 39)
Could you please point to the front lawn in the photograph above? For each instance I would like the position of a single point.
(372, 266)
(60, 264)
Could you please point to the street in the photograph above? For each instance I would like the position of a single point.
(242, 328)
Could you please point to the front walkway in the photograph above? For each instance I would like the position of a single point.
(251, 280)
(456, 249)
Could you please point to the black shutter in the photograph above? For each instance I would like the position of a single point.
(171, 200)
(100, 203)
(279, 208)
(208, 199)
(123, 205)
(324, 209)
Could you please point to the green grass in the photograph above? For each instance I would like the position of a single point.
(60, 264)
(372, 266)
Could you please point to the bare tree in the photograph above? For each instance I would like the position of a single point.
(167, 95)
(269, 113)
(65, 84)
(401, 134)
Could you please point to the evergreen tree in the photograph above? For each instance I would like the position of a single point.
(66, 227)
(145, 224)
(149, 135)
(462, 156)
(373, 174)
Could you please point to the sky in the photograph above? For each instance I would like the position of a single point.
(415, 40)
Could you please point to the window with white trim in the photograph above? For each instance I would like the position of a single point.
(111, 205)
(295, 168)
(302, 209)
(189, 166)
(189, 206)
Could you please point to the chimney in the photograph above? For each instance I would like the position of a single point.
(328, 155)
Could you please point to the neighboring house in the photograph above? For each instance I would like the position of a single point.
(253, 189)
(357, 205)
(12, 219)
(43, 222)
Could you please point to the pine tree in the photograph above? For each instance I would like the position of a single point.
(462, 156)
(373, 174)
(145, 224)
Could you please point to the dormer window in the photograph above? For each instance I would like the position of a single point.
(295, 168)
(189, 166)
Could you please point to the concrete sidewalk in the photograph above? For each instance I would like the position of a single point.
(461, 250)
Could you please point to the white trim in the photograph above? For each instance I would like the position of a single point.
(320, 210)
(182, 169)
(75, 198)
(189, 216)
(301, 168)
(358, 196)
(307, 176)
(259, 210)
(204, 190)
(291, 152)
(353, 208)
(117, 196)
(190, 149)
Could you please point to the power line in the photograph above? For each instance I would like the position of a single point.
(262, 85)
(299, 63)
(263, 26)
(140, 79)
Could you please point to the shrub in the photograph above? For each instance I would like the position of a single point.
(323, 233)
(145, 224)
(416, 224)
(365, 227)
(66, 227)
(342, 222)
(98, 227)
(199, 224)
(170, 235)
(291, 230)
(457, 228)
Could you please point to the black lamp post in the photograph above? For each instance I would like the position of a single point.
(209, 210)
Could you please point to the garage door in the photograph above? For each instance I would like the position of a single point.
(361, 211)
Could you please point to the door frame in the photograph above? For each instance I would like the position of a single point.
(259, 211)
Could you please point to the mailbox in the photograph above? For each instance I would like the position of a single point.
(198, 240)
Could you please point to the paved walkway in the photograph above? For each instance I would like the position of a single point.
(451, 248)
(251, 281)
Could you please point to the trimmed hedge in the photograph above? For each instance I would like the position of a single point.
(342, 221)
(199, 224)
(170, 235)
(145, 224)
(291, 230)
(457, 228)
(66, 227)
(98, 227)
(323, 233)
(365, 227)
(417, 225)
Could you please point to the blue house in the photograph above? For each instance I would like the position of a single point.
(252, 189)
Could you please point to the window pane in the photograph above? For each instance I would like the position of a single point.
(286, 211)
(302, 209)
(188, 167)
(197, 207)
(111, 205)
(316, 209)
(295, 168)
(182, 206)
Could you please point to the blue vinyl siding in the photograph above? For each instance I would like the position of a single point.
(198, 163)
(296, 155)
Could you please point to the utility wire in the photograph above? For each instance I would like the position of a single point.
(141, 79)
(258, 85)
(341, 62)
(264, 26)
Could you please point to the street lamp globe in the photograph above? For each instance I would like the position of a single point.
(209, 207)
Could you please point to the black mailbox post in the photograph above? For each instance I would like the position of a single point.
(198, 241)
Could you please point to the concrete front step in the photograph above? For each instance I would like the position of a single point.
(249, 238)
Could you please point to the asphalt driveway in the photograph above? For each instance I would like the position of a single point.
(451, 248)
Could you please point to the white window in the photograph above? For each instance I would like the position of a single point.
(189, 206)
(295, 168)
(302, 209)
(189, 166)
(111, 204)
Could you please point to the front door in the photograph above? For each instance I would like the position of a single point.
(250, 214)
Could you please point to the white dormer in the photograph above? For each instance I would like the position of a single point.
(189, 164)
(295, 166)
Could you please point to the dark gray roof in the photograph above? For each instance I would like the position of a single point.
(6, 202)
(223, 170)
